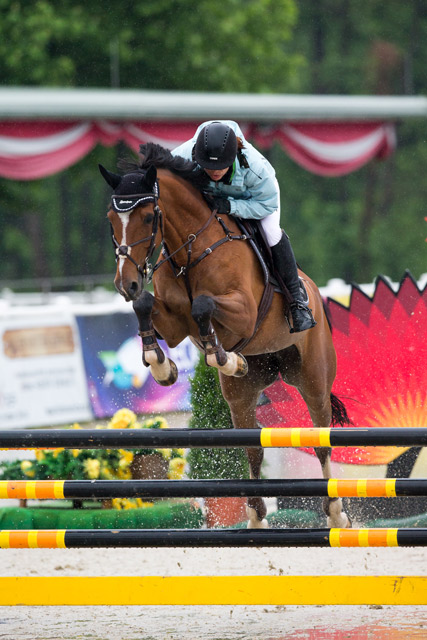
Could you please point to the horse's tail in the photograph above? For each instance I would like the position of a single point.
(339, 412)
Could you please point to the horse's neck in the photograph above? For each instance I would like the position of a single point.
(184, 209)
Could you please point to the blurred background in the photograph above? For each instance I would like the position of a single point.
(367, 221)
(331, 91)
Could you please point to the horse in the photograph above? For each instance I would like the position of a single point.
(208, 284)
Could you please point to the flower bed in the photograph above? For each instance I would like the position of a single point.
(106, 464)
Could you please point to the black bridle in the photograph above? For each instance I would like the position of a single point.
(126, 204)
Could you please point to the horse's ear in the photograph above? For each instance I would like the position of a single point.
(110, 178)
(151, 176)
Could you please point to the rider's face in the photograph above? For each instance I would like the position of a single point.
(216, 174)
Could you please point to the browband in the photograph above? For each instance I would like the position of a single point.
(125, 203)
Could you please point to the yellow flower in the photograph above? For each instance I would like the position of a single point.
(117, 503)
(27, 468)
(176, 468)
(56, 452)
(123, 419)
(129, 504)
(40, 455)
(180, 452)
(124, 474)
(92, 467)
(76, 426)
(143, 505)
(106, 471)
(75, 452)
(163, 423)
(126, 458)
(166, 453)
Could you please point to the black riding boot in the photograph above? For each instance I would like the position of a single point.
(284, 262)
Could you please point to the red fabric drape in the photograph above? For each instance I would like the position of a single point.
(36, 149)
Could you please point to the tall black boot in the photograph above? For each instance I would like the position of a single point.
(285, 264)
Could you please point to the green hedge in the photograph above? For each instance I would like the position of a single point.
(164, 515)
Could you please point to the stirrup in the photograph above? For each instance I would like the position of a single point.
(302, 317)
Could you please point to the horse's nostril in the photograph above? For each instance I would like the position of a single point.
(133, 288)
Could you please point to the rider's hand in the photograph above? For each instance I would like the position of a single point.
(222, 205)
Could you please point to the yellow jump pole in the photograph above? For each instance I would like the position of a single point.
(214, 590)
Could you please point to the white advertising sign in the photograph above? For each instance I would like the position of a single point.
(42, 377)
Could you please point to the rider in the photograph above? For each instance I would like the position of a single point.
(243, 183)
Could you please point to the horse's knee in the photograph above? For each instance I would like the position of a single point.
(202, 310)
(143, 306)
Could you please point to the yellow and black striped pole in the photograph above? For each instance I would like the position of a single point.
(80, 538)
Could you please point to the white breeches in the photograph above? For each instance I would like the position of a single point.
(271, 228)
(271, 224)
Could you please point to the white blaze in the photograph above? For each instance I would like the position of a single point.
(124, 217)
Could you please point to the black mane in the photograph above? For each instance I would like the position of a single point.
(154, 154)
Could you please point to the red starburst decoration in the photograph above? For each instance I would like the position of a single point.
(381, 345)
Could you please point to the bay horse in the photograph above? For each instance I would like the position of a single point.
(208, 284)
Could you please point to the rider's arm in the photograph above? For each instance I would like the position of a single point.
(264, 194)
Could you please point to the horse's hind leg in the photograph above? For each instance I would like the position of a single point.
(163, 370)
(321, 415)
(336, 516)
(228, 363)
(242, 395)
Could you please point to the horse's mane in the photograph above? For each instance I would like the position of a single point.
(154, 154)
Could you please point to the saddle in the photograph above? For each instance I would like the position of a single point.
(272, 280)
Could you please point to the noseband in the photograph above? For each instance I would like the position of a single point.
(126, 204)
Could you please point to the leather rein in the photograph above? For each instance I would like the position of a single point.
(147, 270)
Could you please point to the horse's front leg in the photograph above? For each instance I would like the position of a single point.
(163, 369)
(228, 363)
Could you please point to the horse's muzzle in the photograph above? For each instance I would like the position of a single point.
(129, 290)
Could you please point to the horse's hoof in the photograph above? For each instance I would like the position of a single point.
(172, 377)
(253, 521)
(242, 366)
(343, 522)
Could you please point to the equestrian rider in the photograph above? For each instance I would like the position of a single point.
(243, 183)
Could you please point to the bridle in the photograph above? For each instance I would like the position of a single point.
(127, 203)
(120, 205)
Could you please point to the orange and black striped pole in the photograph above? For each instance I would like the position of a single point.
(95, 489)
(161, 438)
(79, 538)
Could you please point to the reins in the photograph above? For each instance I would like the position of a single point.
(183, 270)
(148, 270)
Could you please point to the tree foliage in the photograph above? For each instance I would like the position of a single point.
(353, 227)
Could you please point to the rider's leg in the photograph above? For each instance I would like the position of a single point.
(285, 263)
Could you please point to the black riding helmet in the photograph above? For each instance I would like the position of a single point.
(216, 146)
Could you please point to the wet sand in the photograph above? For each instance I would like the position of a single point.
(213, 622)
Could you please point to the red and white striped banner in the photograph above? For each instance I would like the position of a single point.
(36, 149)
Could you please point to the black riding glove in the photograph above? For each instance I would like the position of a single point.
(222, 205)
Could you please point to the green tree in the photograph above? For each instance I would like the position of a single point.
(210, 411)
(56, 226)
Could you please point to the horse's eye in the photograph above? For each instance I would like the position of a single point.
(149, 218)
